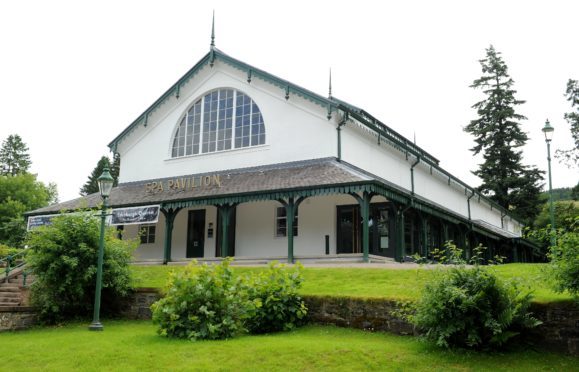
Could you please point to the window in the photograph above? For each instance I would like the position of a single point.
(147, 234)
(221, 120)
(281, 222)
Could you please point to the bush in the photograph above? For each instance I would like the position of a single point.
(63, 256)
(9, 251)
(564, 256)
(203, 303)
(471, 307)
(279, 307)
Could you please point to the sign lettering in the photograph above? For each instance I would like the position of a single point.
(183, 184)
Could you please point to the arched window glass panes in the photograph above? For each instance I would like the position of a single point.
(208, 125)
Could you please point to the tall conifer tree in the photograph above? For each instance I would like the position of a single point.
(498, 136)
(571, 156)
(91, 186)
(14, 158)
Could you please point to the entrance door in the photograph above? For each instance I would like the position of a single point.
(230, 233)
(348, 229)
(196, 233)
(380, 226)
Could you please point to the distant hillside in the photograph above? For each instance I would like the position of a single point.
(563, 193)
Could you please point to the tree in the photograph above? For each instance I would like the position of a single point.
(63, 258)
(571, 156)
(18, 194)
(14, 158)
(91, 186)
(498, 136)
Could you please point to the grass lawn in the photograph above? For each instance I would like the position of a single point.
(399, 284)
(134, 346)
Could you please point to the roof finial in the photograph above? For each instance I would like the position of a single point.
(415, 137)
(330, 87)
(213, 31)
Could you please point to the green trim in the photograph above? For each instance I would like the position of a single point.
(330, 104)
(175, 88)
(402, 144)
(170, 215)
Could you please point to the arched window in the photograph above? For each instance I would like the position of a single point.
(223, 119)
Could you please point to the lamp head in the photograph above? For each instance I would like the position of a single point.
(548, 130)
(105, 183)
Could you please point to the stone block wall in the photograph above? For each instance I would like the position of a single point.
(560, 328)
(559, 331)
(16, 318)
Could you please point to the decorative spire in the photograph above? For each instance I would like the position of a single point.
(330, 87)
(213, 31)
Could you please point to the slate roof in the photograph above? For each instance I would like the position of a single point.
(276, 177)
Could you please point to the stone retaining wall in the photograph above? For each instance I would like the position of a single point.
(16, 318)
(559, 331)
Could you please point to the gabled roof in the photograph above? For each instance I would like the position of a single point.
(331, 104)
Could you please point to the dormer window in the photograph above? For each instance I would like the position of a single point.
(221, 120)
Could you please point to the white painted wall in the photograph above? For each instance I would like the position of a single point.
(437, 189)
(360, 148)
(294, 131)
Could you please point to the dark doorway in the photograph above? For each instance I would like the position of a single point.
(348, 239)
(349, 229)
(381, 224)
(230, 233)
(196, 233)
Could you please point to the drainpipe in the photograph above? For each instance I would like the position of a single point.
(468, 203)
(412, 175)
(339, 129)
(502, 217)
(468, 252)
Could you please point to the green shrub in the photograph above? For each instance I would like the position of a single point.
(6, 250)
(471, 307)
(564, 256)
(63, 257)
(208, 302)
(279, 307)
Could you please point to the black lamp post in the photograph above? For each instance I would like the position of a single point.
(548, 130)
(105, 185)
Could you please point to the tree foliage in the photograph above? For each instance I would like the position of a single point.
(279, 307)
(63, 257)
(203, 303)
(498, 136)
(571, 156)
(91, 186)
(18, 194)
(210, 302)
(470, 306)
(14, 157)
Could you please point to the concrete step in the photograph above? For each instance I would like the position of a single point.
(9, 294)
(11, 288)
(10, 301)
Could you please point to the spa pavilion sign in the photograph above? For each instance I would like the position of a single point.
(242, 163)
(183, 183)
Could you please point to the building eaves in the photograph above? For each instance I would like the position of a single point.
(331, 104)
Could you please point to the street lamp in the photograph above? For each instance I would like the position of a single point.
(548, 130)
(105, 185)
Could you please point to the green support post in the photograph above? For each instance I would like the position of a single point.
(365, 226)
(225, 213)
(170, 215)
(291, 207)
(290, 213)
(424, 226)
(399, 253)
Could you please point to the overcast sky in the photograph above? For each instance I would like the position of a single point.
(74, 74)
